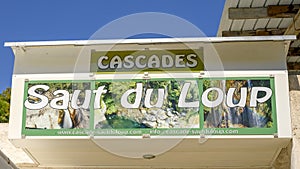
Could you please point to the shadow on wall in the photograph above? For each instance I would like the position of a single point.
(284, 158)
(294, 82)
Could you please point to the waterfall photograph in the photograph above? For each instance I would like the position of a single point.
(246, 116)
(54, 116)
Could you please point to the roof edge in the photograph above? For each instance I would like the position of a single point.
(151, 41)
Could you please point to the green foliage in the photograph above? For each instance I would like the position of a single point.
(212, 95)
(172, 89)
(173, 94)
(4, 105)
(113, 95)
(121, 122)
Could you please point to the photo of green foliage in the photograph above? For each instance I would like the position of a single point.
(113, 115)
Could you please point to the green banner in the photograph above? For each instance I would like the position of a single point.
(172, 107)
(147, 60)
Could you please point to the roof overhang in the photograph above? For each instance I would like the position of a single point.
(151, 41)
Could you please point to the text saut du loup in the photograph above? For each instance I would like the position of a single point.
(63, 98)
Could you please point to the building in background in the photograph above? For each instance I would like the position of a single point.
(269, 18)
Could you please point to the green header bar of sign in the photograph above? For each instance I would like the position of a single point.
(147, 60)
(167, 107)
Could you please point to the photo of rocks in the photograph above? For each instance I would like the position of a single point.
(51, 118)
(157, 110)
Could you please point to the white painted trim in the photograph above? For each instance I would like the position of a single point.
(151, 41)
(283, 106)
(16, 108)
(92, 76)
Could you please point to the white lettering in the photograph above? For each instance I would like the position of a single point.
(179, 61)
(42, 100)
(138, 62)
(254, 92)
(138, 97)
(153, 60)
(100, 64)
(206, 102)
(128, 62)
(182, 97)
(116, 60)
(230, 97)
(160, 98)
(86, 102)
(167, 61)
(98, 92)
(61, 102)
(190, 59)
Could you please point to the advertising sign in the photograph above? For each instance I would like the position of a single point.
(217, 106)
(147, 60)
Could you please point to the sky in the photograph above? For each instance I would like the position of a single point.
(47, 20)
